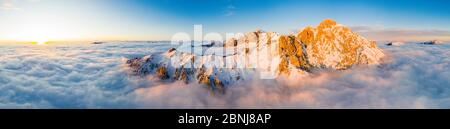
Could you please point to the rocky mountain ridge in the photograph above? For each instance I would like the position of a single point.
(262, 55)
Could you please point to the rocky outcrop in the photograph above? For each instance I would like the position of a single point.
(262, 54)
(395, 43)
(434, 42)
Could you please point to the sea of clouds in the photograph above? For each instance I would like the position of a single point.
(96, 76)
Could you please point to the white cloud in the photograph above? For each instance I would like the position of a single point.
(230, 10)
(75, 76)
(95, 76)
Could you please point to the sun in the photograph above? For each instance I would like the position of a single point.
(39, 30)
(41, 42)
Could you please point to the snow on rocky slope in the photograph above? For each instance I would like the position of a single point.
(262, 55)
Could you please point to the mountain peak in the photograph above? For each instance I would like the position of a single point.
(328, 46)
(337, 47)
(327, 23)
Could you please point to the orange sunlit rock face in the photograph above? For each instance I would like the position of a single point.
(336, 46)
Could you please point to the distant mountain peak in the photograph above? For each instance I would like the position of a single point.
(432, 42)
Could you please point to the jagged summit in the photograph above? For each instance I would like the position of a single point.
(261, 54)
(327, 23)
(336, 46)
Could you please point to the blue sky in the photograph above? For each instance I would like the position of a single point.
(160, 19)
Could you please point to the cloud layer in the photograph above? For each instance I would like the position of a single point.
(395, 34)
(67, 76)
(95, 76)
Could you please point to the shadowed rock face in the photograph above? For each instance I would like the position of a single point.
(329, 45)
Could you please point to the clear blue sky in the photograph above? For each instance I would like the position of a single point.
(160, 19)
